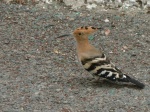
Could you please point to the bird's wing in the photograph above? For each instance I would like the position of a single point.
(102, 67)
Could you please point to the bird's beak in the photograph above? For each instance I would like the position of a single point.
(100, 28)
(65, 35)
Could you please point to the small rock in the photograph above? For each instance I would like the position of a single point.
(90, 6)
(58, 90)
(133, 55)
(106, 20)
(6, 41)
(107, 32)
(111, 52)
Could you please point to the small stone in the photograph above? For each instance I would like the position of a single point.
(58, 90)
(133, 55)
(106, 20)
(125, 47)
(65, 102)
(90, 6)
(107, 32)
(111, 52)
(6, 41)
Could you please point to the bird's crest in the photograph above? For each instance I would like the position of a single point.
(87, 30)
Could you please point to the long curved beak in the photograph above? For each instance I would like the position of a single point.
(100, 28)
(64, 35)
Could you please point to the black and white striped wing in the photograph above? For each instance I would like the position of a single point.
(102, 67)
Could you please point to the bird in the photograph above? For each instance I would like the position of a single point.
(95, 61)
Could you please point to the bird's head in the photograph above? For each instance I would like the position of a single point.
(82, 33)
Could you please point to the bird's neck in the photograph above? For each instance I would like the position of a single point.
(83, 45)
(85, 49)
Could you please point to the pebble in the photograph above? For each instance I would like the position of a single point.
(58, 90)
(6, 41)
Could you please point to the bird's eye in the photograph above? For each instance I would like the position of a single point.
(79, 33)
(93, 28)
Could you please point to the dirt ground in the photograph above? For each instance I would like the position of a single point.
(40, 72)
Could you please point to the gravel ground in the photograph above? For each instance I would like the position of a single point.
(90, 4)
(40, 72)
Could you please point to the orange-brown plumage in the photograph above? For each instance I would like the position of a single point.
(84, 48)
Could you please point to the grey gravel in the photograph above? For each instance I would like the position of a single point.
(90, 4)
(40, 72)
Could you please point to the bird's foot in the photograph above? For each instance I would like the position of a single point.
(95, 80)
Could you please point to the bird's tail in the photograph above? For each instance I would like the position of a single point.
(136, 82)
(127, 79)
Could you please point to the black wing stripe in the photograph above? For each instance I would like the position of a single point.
(103, 56)
(88, 60)
(102, 69)
(104, 75)
(93, 58)
(94, 65)
(112, 77)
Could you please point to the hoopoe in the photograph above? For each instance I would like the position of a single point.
(96, 62)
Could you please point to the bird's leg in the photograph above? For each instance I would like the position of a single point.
(95, 80)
